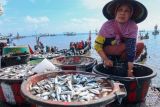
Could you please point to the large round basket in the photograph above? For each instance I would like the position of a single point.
(10, 89)
(79, 63)
(102, 101)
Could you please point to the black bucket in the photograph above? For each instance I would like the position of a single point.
(137, 87)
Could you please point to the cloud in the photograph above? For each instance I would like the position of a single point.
(94, 4)
(1, 22)
(37, 20)
(6, 21)
(82, 25)
(153, 17)
(73, 25)
(36, 23)
(4, 2)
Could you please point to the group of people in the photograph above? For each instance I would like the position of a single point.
(51, 49)
(78, 46)
(146, 36)
(39, 47)
(117, 38)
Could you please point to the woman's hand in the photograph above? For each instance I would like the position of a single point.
(130, 69)
(108, 62)
(130, 73)
(130, 65)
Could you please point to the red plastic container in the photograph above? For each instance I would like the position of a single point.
(10, 92)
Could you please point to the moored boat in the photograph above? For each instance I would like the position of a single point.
(70, 33)
(155, 32)
(15, 55)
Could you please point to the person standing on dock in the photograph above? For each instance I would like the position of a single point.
(117, 37)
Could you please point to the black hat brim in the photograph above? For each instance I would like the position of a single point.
(139, 10)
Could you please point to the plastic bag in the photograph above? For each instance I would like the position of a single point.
(44, 66)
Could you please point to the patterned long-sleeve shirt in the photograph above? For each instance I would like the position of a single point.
(108, 36)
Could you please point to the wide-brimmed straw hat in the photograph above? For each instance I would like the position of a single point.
(139, 10)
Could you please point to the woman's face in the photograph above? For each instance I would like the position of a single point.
(123, 14)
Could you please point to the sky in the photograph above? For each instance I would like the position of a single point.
(29, 17)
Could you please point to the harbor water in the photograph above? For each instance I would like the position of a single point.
(63, 41)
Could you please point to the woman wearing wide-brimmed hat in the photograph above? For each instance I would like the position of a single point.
(117, 36)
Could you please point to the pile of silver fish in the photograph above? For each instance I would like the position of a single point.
(71, 88)
(73, 60)
(46, 55)
(16, 72)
